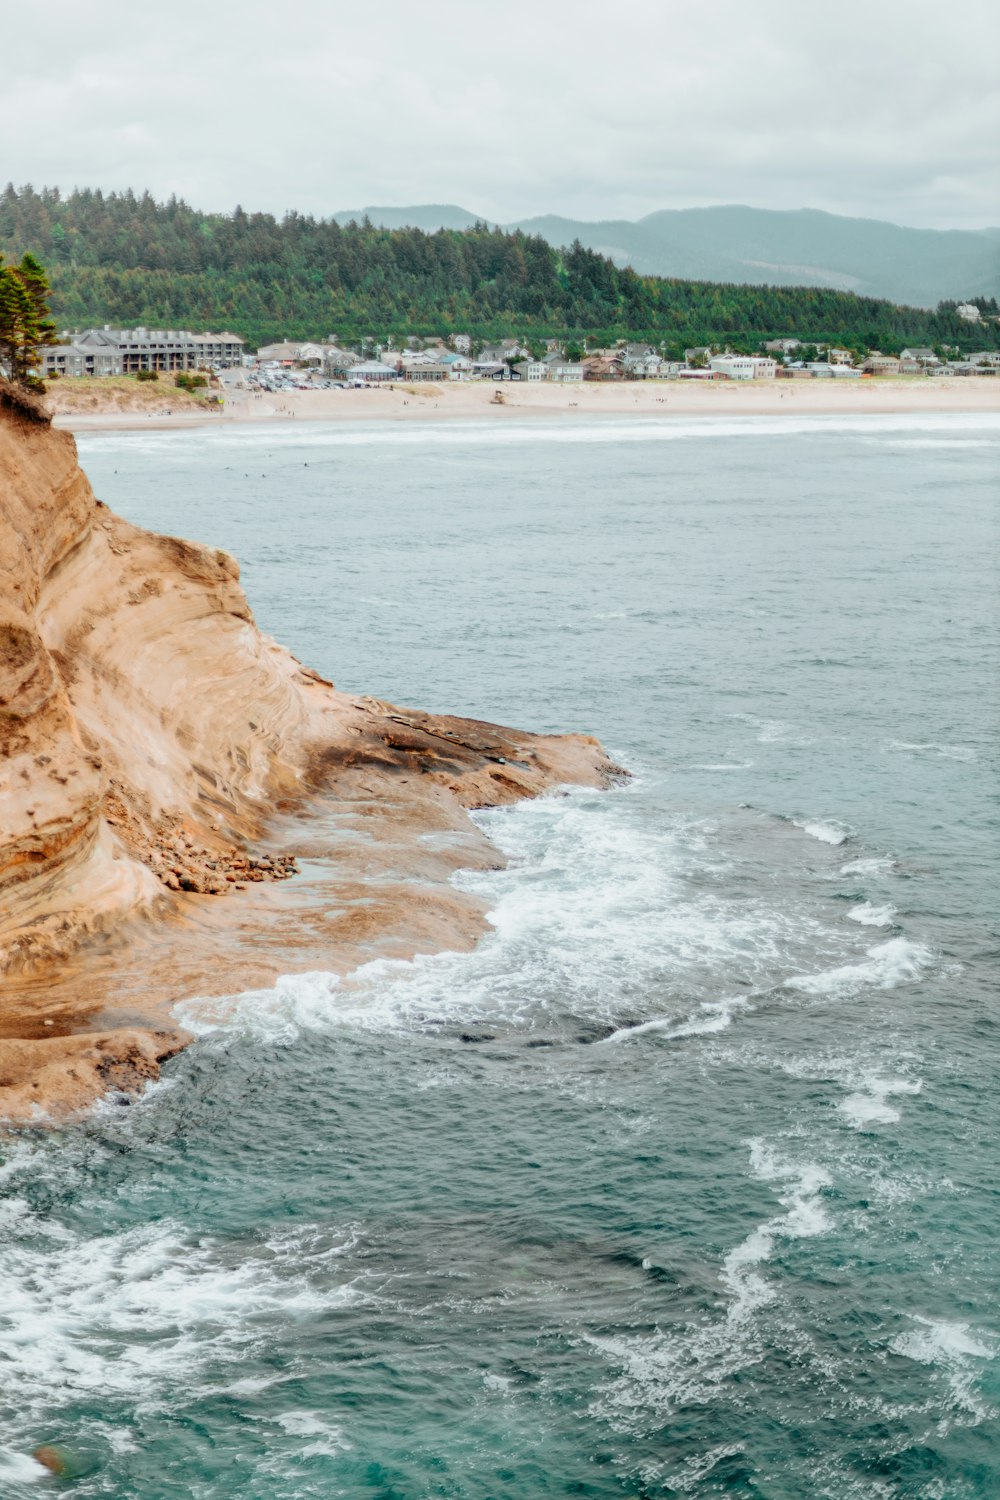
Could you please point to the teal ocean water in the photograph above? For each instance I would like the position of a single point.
(685, 1183)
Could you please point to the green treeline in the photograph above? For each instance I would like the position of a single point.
(126, 259)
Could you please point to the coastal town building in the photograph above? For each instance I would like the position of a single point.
(372, 372)
(881, 364)
(640, 361)
(127, 351)
(743, 366)
(603, 365)
(566, 372)
(337, 362)
(291, 354)
(969, 311)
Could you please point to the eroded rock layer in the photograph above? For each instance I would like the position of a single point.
(158, 754)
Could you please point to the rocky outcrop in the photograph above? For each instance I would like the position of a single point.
(163, 763)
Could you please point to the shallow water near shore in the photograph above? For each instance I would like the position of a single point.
(683, 1182)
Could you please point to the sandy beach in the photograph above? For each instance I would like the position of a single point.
(458, 401)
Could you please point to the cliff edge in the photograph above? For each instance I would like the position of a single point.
(184, 807)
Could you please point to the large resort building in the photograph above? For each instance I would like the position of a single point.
(127, 351)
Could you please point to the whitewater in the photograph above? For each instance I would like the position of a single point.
(683, 1181)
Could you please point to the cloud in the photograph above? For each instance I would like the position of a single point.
(516, 107)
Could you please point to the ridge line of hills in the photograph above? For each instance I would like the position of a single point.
(757, 246)
(126, 259)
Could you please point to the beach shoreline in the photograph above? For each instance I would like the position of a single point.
(478, 401)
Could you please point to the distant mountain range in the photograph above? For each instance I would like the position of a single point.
(798, 247)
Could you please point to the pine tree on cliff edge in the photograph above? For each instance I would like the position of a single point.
(24, 320)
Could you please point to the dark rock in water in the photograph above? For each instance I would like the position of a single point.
(596, 1033)
(467, 1036)
(540, 1041)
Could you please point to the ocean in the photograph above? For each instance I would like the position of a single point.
(685, 1182)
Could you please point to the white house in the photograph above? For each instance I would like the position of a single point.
(969, 311)
(533, 369)
(566, 371)
(743, 366)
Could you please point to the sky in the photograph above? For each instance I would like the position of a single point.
(593, 109)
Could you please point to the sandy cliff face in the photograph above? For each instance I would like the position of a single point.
(155, 751)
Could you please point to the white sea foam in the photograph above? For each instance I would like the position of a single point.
(887, 965)
(804, 1217)
(130, 1314)
(872, 916)
(325, 1438)
(827, 833)
(737, 765)
(659, 1370)
(251, 440)
(20, 1468)
(711, 1016)
(935, 443)
(958, 1353)
(593, 909)
(869, 1104)
(937, 1342)
(876, 864)
(947, 752)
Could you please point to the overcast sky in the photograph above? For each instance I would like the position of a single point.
(589, 108)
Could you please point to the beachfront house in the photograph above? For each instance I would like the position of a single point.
(640, 361)
(743, 366)
(456, 366)
(533, 369)
(881, 364)
(566, 372)
(605, 364)
(821, 370)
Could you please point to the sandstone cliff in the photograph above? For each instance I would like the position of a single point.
(162, 764)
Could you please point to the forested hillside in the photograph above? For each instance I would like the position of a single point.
(124, 258)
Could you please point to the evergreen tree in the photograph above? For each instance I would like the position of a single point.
(24, 320)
